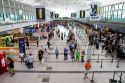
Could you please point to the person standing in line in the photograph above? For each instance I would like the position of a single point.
(77, 55)
(64, 34)
(40, 54)
(65, 53)
(10, 66)
(30, 61)
(37, 42)
(48, 43)
(21, 55)
(27, 44)
(46, 54)
(61, 36)
(73, 54)
(56, 52)
(82, 55)
(87, 68)
(89, 53)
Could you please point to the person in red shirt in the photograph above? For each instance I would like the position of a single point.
(87, 68)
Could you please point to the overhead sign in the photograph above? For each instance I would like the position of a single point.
(40, 13)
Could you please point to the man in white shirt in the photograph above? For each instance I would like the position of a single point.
(30, 61)
(21, 55)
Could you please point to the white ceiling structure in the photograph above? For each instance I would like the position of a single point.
(66, 7)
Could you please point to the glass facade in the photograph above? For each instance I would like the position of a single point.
(16, 11)
(114, 12)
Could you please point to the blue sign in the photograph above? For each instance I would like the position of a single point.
(22, 45)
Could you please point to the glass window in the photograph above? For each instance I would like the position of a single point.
(106, 8)
(109, 8)
(123, 16)
(115, 13)
(113, 7)
(116, 7)
(120, 6)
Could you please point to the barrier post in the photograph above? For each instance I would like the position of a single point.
(92, 80)
(101, 63)
(98, 59)
(118, 64)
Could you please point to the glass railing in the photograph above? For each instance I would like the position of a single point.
(8, 23)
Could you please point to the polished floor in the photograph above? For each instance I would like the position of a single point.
(59, 71)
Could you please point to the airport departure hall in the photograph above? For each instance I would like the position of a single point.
(62, 41)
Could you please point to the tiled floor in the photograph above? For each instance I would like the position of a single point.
(61, 71)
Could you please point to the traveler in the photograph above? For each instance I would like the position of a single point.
(21, 55)
(48, 43)
(10, 66)
(46, 54)
(82, 55)
(77, 55)
(37, 41)
(40, 55)
(30, 61)
(27, 44)
(56, 52)
(65, 53)
(87, 68)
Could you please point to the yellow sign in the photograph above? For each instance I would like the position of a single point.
(40, 13)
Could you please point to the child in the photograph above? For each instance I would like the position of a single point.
(87, 67)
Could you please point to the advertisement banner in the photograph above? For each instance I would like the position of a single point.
(22, 45)
(51, 15)
(93, 10)
(56, 15)
(73, 14)
(82, 14)
(40, 13)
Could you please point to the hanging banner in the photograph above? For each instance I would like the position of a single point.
(22, 45)
(93, 10)
(73, 14)
(82, 14)
(56, 15)
(51, 15)
(40, 13)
